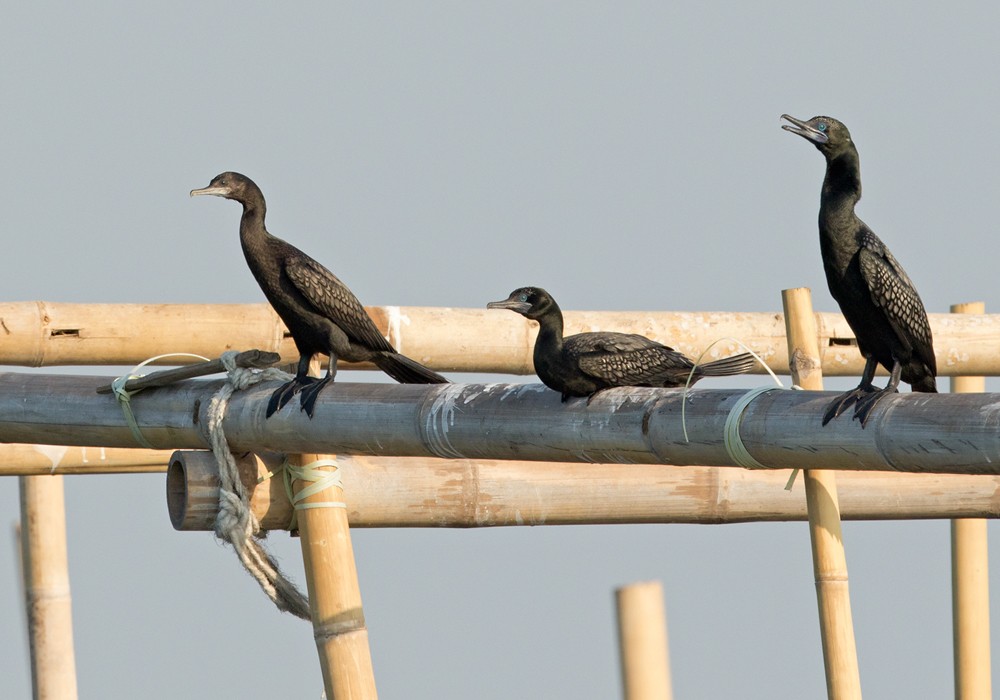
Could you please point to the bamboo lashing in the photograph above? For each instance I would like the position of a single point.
(642, 642)
(46, 587)
(840, 656)
(970, 580)
(446, 339)
(945, 433)
(431, 492)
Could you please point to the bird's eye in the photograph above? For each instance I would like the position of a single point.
(821, 126)
(523, 297)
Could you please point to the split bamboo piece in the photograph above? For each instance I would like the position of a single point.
(840, 656)
(943, 433)
(46, 588)
(642, 642)
(468, 340)
(430, 492)
(332, 578)
(970, 580)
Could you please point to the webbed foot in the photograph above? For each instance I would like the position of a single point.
(307, 397)
(284, 393)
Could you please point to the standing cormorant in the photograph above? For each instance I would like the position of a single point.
(321, 313)
(586, 363)
(876, 296)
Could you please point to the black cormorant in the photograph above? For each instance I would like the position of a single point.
(876, 296)
(583, 364)
(321, 313)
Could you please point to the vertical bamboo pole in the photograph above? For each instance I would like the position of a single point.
(46, 587)
(840, 655)
(334, 593)
(642, 641)
(970, 579)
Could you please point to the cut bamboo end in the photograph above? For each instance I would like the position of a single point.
(642, 640)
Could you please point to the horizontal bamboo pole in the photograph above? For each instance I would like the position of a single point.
(947, 433)
(430, 492)
(38, 334)
(29, 460)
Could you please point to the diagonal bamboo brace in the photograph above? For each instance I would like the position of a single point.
(840, 656)
(334, 594)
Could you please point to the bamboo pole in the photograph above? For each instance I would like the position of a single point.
(332, 578)
(46, 588)
(970, 579)
(37, 460)
(429, 492)
(944, 433)
(470, 340)
(642, 642)
(334, 594)
(840, 656)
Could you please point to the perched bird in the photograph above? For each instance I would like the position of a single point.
(875, 294)
(321, 313)
(586, 363)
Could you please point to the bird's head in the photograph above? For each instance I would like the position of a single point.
(830, 136)
(229, 185)
(530, 302)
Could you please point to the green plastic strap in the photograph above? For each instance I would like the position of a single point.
(732, 440)
(125, 401)
(125, 397)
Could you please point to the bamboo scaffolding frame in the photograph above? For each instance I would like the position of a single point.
(642, 641)
(970, 580)
(46, 588)
(448, 339)
(945, 433)
(430, 492)
(840, 656)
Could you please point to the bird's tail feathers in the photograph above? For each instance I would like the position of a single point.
(737, 364)
(406, 371)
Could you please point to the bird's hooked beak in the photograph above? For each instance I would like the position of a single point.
(217, 190)
(804, 130)
(521, 307)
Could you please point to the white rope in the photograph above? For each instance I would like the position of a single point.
(236, 523)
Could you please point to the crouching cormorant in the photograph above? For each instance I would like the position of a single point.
(586, 363)
(321, 313)
(876, 296)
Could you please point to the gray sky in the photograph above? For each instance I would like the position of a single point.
(624, 157)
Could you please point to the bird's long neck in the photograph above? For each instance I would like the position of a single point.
(253, 234)
(550, 331)
(841, 191)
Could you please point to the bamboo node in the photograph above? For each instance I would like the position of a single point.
(348, 622)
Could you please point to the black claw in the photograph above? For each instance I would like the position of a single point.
(307, 398)
(863, 409)
(848, 399)
(284, 393)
